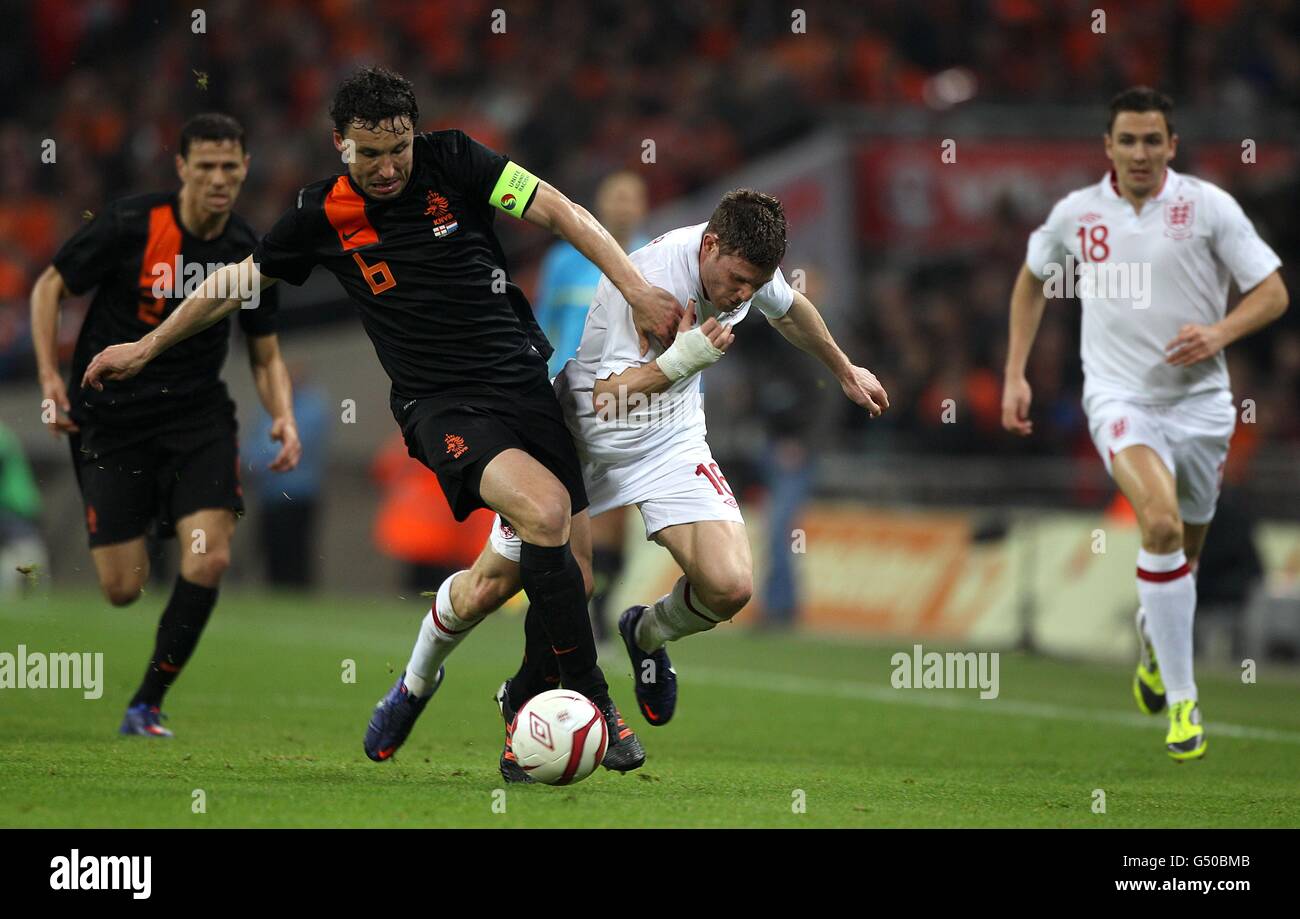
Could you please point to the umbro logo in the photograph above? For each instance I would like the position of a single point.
(1090, 217)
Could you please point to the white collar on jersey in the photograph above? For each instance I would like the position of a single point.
(1110, 188)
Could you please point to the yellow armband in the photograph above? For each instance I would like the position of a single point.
(513, 190)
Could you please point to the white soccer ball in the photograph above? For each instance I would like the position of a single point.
(559, 737)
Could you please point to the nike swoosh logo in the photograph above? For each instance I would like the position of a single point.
(347, 236)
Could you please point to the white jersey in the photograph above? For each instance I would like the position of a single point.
(1154, 272)
(635, 426)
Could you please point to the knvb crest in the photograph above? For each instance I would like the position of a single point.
(455, 445)
(444, 221)
(1179, 217)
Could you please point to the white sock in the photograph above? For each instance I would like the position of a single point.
(674, 615)
(1167, 592)
(440, 632)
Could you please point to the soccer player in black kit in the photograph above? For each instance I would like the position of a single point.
(161, 449)
(408, 231)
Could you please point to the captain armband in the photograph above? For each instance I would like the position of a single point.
(513, 190)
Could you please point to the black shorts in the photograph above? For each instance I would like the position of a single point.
(457, 434)
(175, 471)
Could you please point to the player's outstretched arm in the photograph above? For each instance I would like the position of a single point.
(221, 294)
(47, 293)
(692, 351)
(1027, 304)
(655, 311)
(803, 326)
(1262, 304)
(275, 389)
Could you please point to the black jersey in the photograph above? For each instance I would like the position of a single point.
(425, 269)
(133, 251)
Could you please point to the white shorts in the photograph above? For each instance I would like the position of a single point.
(1190, 436)
(683, 486)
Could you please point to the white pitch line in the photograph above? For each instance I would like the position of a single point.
(845, 689)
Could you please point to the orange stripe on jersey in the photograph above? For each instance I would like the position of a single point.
(346, 211)
(161, 248)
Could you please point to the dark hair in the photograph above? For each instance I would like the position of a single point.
(1142, 99)
(750, 224)
(372, 95)
(211, 126)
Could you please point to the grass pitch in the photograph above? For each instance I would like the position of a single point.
(271, 733)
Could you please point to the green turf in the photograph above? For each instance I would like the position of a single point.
(269, 731)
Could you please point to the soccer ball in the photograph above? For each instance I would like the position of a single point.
(559, 737)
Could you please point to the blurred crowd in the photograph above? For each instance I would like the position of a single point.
(572, 88)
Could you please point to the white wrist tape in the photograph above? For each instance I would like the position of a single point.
(689, 353)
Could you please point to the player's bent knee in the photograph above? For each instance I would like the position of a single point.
(486, 595)
(546, 521)
(1164, 533)
(122, 591)
(728, 596)
(206, 569)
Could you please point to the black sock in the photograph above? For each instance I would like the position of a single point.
(179, 629)
(605, 566)
(553, 582)
(539, 670)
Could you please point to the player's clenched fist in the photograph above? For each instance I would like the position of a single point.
(655, 312)
(1016, 397)
(862, 388)
(719, 335)
(285, 432)
(116, 362)
(1192, 344)
(53, 391)
(694, 348)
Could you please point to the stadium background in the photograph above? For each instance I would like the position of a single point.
(928, 523)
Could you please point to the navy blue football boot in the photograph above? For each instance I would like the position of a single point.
(393, 718)
(655, 681)
(144, 721)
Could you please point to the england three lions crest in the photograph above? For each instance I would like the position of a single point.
(1179, 217)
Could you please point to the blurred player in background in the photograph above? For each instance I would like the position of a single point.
(639, 425)
(23, 556)
(565, 289)
(407, 230)
(1156, 389)
(162, 447)
(290, 503)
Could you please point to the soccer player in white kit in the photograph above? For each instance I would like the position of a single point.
(637, 418)
(1154, 253)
